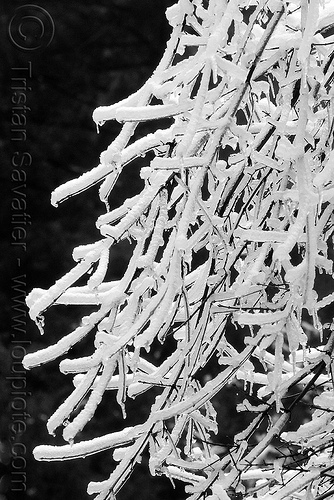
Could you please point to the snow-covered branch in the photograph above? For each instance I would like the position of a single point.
(230, 234)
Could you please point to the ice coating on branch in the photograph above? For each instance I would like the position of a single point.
(148, 258)
(75, 186)
(104, 113)
(144, 113)
(42, 302)
(96, 279)
(309, 30)
(72, 429)
(137, 210)
(86, 448)
(111, 160)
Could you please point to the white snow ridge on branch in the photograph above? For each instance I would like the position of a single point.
(231, 237)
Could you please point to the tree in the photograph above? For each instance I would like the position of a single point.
(231, 237)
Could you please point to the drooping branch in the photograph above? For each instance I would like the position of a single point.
(229, 236)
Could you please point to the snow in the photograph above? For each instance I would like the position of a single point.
(228, 234)
(86, 448)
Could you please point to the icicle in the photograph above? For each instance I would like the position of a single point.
(310, 295)
(296, 337)
(40, 323)
(122, 386)
(277, 374)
